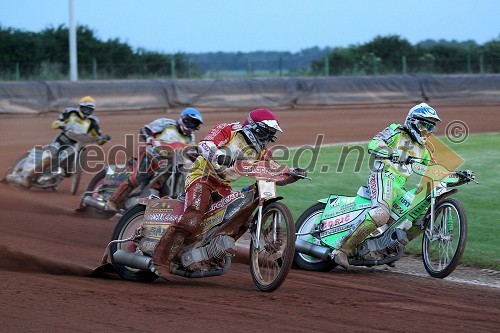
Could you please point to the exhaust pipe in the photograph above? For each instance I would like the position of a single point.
(138, 261)
(314, 250)
(89, 200)
(133, 260)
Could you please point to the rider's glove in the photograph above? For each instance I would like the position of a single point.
(394, 158)
(409, 160)
(299, 173)
(295, 174)
(466, 175)
(225, 160)
(59, 125)
(103, 139)
(463, 178)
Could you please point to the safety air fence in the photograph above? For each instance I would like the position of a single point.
(34, 97)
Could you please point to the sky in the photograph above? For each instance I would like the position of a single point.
(195, 26)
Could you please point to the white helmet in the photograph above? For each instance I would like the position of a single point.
(421, 118)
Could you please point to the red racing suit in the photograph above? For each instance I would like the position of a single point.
(208, 181)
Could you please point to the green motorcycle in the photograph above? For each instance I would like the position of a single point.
(427, 208)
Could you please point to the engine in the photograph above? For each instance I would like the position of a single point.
(218, 248)
(387, 244)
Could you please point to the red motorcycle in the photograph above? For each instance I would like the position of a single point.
(167, 180)
(255, 209)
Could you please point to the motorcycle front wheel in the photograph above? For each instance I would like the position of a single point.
(272, 259)
(442, 247)
(305, 224)
(126, 228)
(18, 164)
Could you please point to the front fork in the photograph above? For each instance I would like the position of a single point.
(256, 235)
(429, 232)
(258, 227)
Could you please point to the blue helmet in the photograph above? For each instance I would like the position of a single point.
(421, 118)
(189, 121)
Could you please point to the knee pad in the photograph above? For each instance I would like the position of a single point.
(379, 215)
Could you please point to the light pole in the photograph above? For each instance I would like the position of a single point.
(73, 59)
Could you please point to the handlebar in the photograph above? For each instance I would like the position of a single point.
(405, 161)
(83, 137)
(467, 176)
(261, 168)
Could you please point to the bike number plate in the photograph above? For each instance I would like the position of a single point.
(267, 189)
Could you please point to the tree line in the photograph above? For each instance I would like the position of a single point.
(45, 55)
(395, 55)
(31, 55)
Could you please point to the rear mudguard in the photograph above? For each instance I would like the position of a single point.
(143, 201)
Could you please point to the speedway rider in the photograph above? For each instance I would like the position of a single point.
(392, 148)
(159, 131)
(212, 173)
(77, 120)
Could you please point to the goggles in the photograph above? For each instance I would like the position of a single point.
(87, 110)
(191, 123)
(427, 126)
(265, 133)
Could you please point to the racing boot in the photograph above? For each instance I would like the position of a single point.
(167, 248)
(364, 229)
(414, 232)
(117, 199)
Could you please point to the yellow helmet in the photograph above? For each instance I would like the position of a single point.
(87, 105)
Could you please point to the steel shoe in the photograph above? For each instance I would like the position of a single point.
(340, 258)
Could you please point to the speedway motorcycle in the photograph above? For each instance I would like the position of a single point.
(427, 208)
(66, 161)
(255, 209)
(167, 180)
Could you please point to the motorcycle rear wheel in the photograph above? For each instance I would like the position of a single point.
(442, 253)
(125, 228)
(305, 223)
(271, 262)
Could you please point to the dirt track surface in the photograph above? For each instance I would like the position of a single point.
(48, 251)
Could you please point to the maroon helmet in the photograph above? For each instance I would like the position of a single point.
(260, 128)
